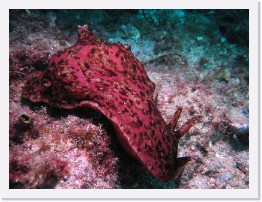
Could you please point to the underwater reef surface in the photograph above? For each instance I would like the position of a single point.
(198, 60)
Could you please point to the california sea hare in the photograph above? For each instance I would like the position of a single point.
(109, 78)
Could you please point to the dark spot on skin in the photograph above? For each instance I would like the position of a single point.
(158, 147)
(100, 55)
(149, 107)
(111, 105)
(106, 52)
(111, 73)
(134, 67)
(140, 139)
(143, 80)
(93, 50)
(123, 98)
(117, 55)
(70, 51)
(107, 72)
(169, 138)
(125, 110)
(124, 72)
(150, 150)
(111, 62)
(60, 62)
(86, 65)
(142, 94)
(121, 102)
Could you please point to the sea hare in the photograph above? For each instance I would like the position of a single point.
(110, 79)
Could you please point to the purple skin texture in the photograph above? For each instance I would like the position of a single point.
(109, 78)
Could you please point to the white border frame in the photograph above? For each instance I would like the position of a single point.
(251, 193)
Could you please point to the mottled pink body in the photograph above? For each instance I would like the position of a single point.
(108, 78)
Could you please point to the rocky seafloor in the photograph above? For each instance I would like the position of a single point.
(198, 59)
